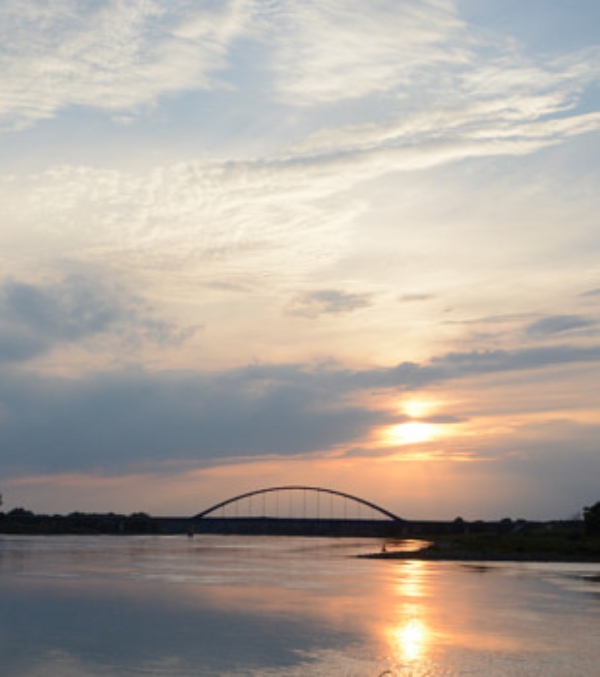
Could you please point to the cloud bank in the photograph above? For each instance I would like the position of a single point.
(135, 418)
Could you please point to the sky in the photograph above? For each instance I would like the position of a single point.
(251, 243)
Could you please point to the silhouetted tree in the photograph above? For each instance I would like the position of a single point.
(459, 526)
(21, 513)
(591, 518)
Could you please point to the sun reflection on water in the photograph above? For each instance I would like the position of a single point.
(411, 639)
(409, 635)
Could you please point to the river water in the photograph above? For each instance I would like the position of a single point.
(286, 607)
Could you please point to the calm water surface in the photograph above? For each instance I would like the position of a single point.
(286, 607)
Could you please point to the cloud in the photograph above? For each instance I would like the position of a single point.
(327, 302)
(110, 55)
(559, 324)
(34, 318)
(480, 362)
(456, 365)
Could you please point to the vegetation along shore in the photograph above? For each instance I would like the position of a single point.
(572, 541)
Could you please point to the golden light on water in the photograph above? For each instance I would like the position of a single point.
(411, 583)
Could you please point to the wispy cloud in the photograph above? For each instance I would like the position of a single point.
(111, 55)
(252, 208)
(340, 49)
(444, 86)
(118, 57)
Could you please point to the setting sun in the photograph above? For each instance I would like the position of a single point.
(413, 432)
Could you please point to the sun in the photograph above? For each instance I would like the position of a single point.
(413, 432)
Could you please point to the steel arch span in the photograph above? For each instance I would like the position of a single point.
(298, 487)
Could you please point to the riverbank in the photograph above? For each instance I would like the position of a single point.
(532, 547)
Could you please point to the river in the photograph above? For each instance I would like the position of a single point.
(285, 607)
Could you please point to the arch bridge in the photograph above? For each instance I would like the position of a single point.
(298, 510)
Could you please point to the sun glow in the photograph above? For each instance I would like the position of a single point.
(417, 408)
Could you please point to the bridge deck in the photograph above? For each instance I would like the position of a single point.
(297, 527)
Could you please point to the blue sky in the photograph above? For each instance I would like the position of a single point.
(252, 243)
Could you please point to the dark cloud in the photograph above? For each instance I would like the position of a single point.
(557, 324)
(35, 318)
(328, 302)
(115, 421)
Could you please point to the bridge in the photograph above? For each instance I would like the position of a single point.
(298, 510)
